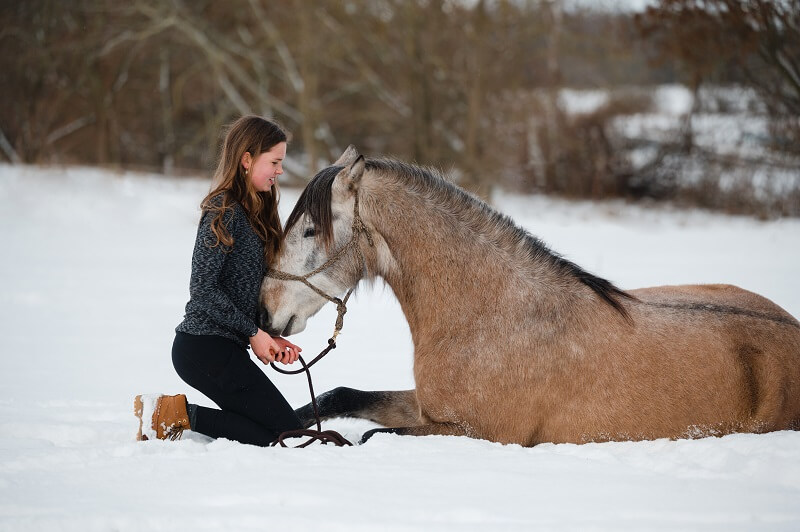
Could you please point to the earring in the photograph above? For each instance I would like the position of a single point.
(246, 172)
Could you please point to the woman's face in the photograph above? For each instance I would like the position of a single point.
(266, 167)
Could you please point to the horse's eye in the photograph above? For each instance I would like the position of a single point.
(309, 232)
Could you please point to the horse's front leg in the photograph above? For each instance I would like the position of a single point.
(387, 408)
(439, 429)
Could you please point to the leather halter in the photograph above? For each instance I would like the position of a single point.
(359, 228)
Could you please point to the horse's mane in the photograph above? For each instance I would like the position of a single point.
(316, 201)
(431, 184)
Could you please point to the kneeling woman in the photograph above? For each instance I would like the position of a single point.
(238, 237)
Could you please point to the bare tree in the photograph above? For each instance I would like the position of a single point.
(758, 39)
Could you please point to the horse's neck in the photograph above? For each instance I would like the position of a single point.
(449, 267)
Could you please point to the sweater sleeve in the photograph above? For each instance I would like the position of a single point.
(204, 287)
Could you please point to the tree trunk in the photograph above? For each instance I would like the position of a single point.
(307, 96)
(553, 174)
(475, 176)
(167, 123)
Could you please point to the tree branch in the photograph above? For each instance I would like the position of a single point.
(8, 149)
(69, 128)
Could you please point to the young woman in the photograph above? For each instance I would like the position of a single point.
(239, 235)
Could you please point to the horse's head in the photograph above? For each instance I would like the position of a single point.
(317, 231)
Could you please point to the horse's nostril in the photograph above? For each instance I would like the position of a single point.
(264, 319)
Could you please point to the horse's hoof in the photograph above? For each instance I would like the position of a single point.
(370, 433)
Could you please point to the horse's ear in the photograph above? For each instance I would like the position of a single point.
(353, 173)
(348, 157)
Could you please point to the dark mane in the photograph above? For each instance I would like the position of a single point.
(316, 201)
(438, 188)
(602, 287)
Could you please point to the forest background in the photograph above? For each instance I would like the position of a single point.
(480, 89)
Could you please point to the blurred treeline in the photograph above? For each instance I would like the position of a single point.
(473, 87)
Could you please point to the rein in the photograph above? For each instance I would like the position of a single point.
(324, 436)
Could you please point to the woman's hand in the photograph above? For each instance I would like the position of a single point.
(288, 352)
(264, 347)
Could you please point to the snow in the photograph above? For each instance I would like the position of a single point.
(578, 102)
(149, 402)
(96, 268)
(729, 125)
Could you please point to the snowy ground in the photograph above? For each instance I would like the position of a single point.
(96, 269)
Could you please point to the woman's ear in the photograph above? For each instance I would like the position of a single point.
(247, 160)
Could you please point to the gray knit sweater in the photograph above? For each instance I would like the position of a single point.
(225, 282)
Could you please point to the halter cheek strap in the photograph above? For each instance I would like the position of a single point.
(359, 228)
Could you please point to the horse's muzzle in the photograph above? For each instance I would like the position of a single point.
(265, 324)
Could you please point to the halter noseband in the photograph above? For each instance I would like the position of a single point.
(341, 304)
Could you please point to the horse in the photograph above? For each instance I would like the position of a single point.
(514, 343)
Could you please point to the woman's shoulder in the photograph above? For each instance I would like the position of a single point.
(217, 199)
(222, 204)
(222, 201)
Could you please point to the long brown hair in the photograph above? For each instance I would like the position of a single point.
(255, 135)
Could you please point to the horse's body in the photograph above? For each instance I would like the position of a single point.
(512, 343)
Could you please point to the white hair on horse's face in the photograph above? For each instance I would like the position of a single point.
(321, 223)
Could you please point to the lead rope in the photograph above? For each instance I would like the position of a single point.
(324, 436)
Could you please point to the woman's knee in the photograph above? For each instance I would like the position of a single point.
(206, 362)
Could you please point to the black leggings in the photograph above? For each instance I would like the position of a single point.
(252, 409)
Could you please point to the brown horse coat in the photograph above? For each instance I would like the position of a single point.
(513, 343)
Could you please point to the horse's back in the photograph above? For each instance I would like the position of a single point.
(691, 361)
(753, 340)
(723, 295)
